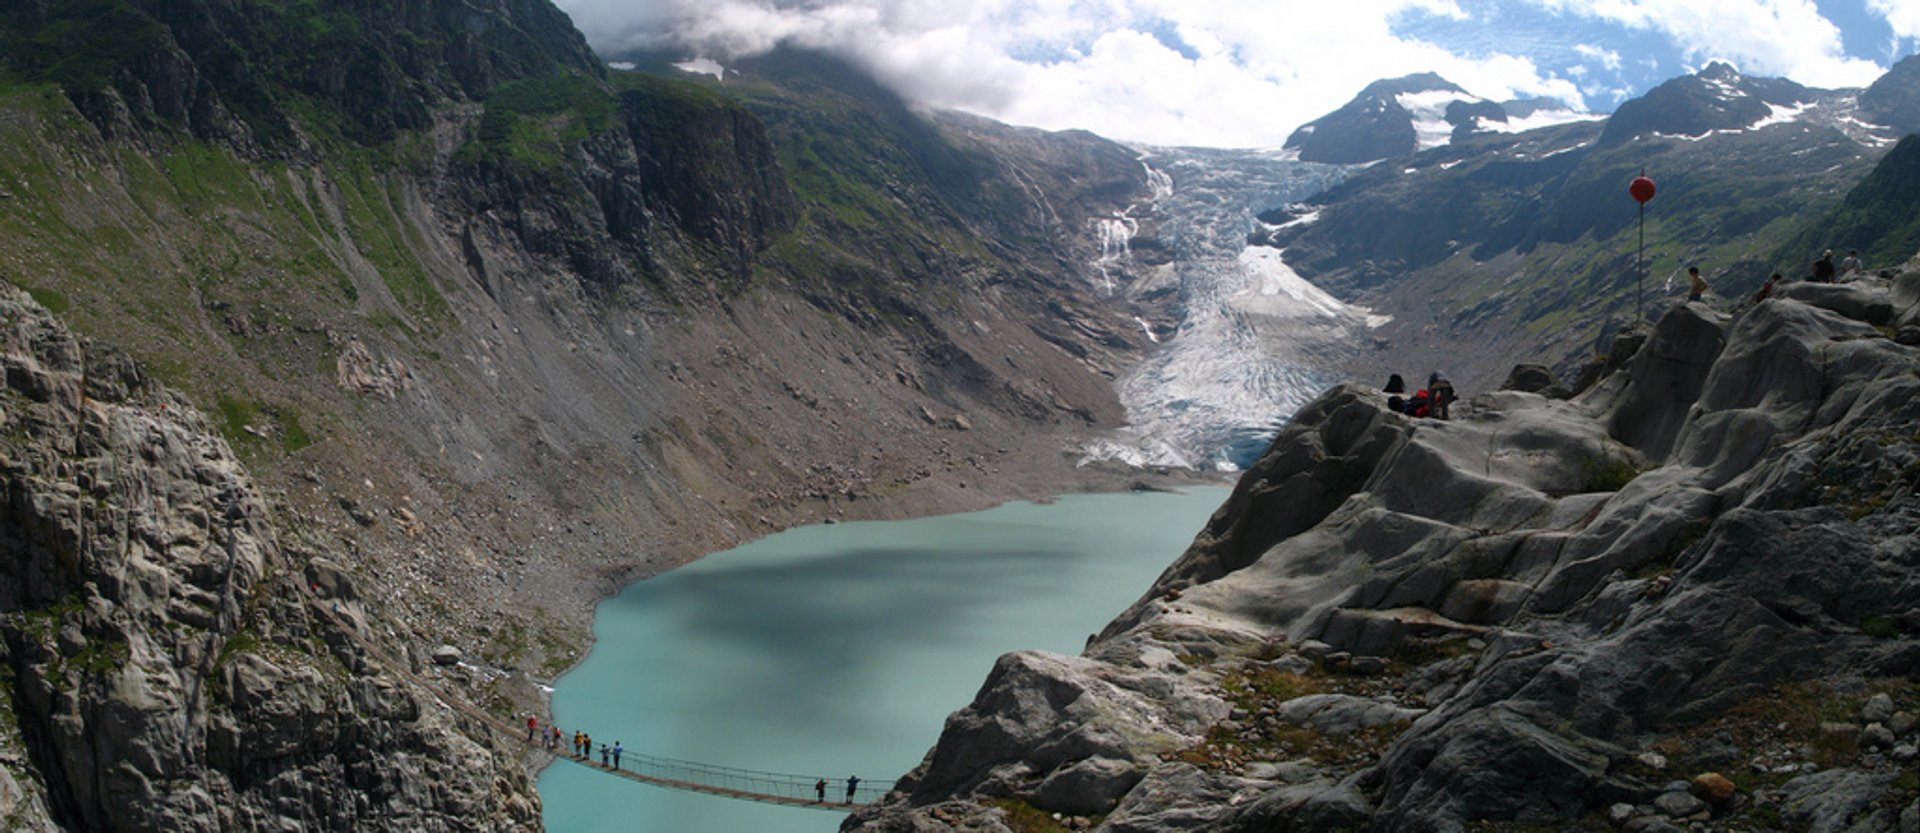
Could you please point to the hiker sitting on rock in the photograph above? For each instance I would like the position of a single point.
(1395, 387)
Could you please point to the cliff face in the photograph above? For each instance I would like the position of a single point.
(1542, 612)
(164, 670)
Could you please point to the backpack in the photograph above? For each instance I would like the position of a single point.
(1421, 404)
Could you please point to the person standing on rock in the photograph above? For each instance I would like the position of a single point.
(853, 781)
(532, 724)
(1696, 285)
(1440, 395)
(1823, 268)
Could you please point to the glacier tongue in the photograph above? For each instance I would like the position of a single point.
(1255, 340)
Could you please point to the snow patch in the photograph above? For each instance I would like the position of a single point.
(1429, 109)
(1537, 120)
(703, 66)
(1781, 115)
(1274, 279)
(1569, 149)
(1306, 219)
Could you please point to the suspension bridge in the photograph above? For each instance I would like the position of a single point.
(786, 789)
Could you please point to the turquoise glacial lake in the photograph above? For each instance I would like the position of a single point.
(840, 649)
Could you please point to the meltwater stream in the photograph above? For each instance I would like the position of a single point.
(840, 650)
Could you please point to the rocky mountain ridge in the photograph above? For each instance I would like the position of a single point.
(1682, 597)
(1529, 242)
(1399, 116)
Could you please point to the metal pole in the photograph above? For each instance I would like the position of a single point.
(1640, 290)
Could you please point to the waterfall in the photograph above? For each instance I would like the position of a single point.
(1159, 183)
(1115, 235)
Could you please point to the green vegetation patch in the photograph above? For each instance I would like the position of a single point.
(1790, 716)
(1607, 473)
(1026, 818)
(53, 299)
(241, 423)
(383, 235)
(530, 122)
(80, 45)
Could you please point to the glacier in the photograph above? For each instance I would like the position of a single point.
(1255, 340)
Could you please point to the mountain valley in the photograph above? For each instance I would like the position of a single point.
(418, 325)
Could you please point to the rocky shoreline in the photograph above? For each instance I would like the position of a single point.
(1681, 600)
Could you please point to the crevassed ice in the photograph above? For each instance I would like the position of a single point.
(1255, 341)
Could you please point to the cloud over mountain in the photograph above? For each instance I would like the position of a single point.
(1246, 73)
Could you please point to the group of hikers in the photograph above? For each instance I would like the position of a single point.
(1435, 400)
(582, 743)
(549, 738)
(1823, 270)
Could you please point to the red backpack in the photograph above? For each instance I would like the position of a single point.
(1421, 404)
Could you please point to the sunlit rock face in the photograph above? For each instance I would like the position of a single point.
(1540, 610)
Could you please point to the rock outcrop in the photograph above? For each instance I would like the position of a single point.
(161, 665)
(1683, 597)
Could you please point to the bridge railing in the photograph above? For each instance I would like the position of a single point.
(797, 788)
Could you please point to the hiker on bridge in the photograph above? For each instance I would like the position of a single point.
(852, 782)
(820, 791)
(617, 748)
(606, 753)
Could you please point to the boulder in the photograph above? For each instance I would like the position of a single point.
(1087, 787)
(1830, 801)
(1679, 805)
(1713, 788)
(1343, 714)
(1664, 380)
(1867, 300)
(1045, 713)
(1535, 378)
(446, 655)
(1877, 709)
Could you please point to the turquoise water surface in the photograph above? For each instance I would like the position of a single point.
(840, 649)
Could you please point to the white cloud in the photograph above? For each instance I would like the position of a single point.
(1245, 72)
(1607, 58)
(1788, 38)
(1902, 15)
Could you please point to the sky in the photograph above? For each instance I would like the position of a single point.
(1245, 73)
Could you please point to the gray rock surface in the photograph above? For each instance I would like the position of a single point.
(162, 667)
(1554, 584)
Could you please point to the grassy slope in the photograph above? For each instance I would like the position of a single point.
(1535, 255)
